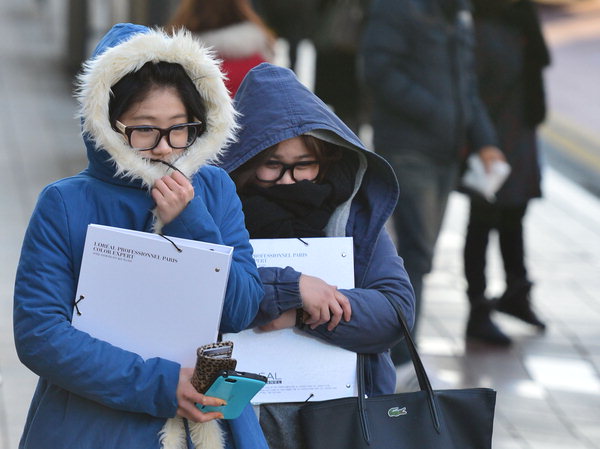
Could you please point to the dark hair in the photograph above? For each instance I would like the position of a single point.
(326, 153)
(134, 86)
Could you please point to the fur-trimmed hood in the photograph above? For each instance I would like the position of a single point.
(125, 49)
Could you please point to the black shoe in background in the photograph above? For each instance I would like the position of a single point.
(480, 326)
(516, 301)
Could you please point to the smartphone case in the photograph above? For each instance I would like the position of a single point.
(211, 360)
(235, 387)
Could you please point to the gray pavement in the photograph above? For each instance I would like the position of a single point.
(548, 385)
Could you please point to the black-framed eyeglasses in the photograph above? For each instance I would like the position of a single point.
(273, 171)
(143, 137)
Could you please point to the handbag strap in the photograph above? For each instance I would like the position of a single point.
(422, 377)
(362, 408)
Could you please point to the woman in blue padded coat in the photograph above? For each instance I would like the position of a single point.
(300, 172)
(92, 394)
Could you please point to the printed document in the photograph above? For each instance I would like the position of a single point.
(298, 366)
(155, 296)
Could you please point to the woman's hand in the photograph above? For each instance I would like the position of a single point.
(490, 154)
(323, 303)
(171, 195)
(188, 397)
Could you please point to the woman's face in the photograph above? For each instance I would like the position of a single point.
(291, 162)
(161, 108)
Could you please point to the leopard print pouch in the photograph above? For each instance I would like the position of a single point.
(212, 359)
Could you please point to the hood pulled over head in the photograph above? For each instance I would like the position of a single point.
(275, 106)
(123, 50)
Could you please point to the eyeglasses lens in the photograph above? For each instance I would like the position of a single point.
(144, 138)
(182, 136)
(305, 171)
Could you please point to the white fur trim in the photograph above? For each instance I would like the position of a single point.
(172, 435)
(100, 73)
(240, 40)
(206, 435)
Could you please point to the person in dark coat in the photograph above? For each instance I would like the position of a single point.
(291, 20)
(300, 172)
(508, 35)
(336, 39)
(418, 63)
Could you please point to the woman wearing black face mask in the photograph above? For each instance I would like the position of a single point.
(300, 172)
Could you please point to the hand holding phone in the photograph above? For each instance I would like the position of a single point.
(236, 388)
(188, 397)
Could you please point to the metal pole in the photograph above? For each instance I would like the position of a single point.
(77, 33)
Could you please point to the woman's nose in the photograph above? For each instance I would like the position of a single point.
(286, 178)
(163, 148)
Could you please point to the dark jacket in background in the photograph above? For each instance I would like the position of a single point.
(418, 63)
(511, 54)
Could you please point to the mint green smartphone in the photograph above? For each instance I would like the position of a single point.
(237, 388)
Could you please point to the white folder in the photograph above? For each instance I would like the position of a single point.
(298, 366)
(155, 296)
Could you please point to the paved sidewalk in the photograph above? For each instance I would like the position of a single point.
(548, 385)
(41, 143)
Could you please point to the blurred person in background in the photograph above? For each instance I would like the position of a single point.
(234, 31)
(292, 20)
(336, 37)
(511, 55)
(418, 60)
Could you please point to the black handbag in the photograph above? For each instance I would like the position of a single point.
(425, 419)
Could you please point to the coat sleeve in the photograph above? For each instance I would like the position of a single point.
(282, 293)
(385, 47)
(47, 343)
(482, 131)
(215, 215)
(374, 326)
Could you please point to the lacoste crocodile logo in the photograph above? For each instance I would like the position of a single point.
(394, 412)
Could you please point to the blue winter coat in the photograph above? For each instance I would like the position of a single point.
(91, 394)
(275, 106)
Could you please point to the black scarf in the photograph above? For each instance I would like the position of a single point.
(301, 209)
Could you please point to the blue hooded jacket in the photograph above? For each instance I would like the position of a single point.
(92, 394)
(275, 106)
